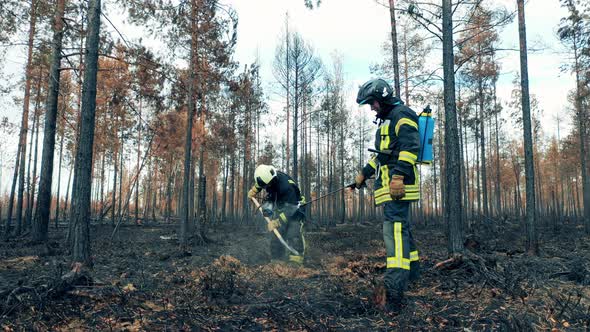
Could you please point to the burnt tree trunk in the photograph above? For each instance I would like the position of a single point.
(482, 145)
(102, 183)
(29, 186)
(342, 201)
(453, 207)
(114, 195)
(68, 189)
(33, 214)
(121, 172)
(532, 245)
(12, 192)
(80, 209)
(498, 184)
(25, 120)
(44, 201)
(232, 172)
(295, 124)
(224, 189)
(185, 214)
(61, 149)
(138, 161)
(476, 170)
(582, 133)
(394, 49)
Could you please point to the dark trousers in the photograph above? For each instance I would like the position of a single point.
(402, 254)
(292, 232)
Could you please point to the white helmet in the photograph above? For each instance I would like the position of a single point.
(264, 174)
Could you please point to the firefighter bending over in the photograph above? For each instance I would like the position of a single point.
(282, 205)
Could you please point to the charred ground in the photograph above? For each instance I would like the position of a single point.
(140, 282)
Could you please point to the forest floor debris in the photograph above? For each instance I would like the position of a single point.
(139, 282)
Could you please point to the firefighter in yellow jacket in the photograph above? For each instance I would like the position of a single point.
(396, 183)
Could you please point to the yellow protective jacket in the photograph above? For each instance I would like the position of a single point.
(398, 135)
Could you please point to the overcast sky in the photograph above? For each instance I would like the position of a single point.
(356, 30)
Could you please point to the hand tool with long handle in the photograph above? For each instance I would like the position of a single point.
(278, 235)
(352, 185)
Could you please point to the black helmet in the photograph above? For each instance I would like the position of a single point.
(376, 89)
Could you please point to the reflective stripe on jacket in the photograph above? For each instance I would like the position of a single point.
(398, 135)
(283, 191)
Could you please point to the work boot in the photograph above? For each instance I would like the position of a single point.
(297, 260)
(394, 303)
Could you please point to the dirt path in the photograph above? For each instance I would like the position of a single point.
(140, 282)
